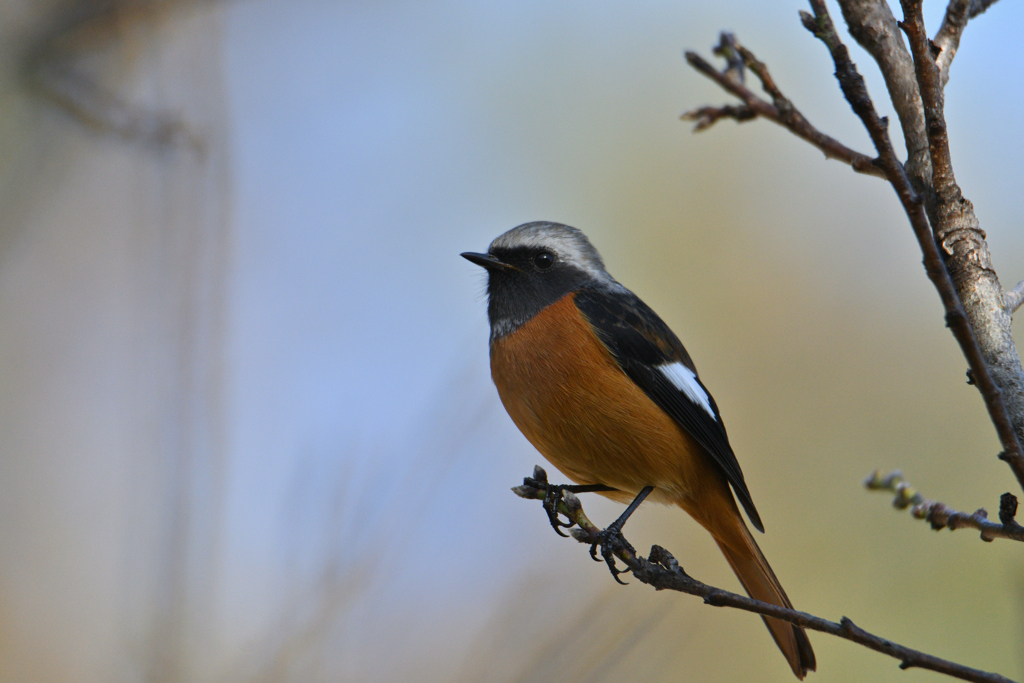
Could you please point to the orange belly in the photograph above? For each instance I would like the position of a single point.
(588, 418)
(611, 433)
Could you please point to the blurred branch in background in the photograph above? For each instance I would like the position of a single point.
(663, 572)
(56, 67)
(115, 299)
(940, 516)
(592, 638)
(346, 537)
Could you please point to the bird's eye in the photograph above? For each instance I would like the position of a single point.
(544, 260)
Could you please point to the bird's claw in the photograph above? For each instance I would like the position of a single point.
(552, 498)
(612, 543)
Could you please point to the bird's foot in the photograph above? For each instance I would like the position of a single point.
(612, 544)
(553, 496)
(560, 500)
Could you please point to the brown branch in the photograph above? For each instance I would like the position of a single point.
(855, 91)
(729, 49)
(874, 27)
(976, 309)
(932, 100)
(969, 265)
(780, 111)
(970, 277)
(941, 516)
(709, 116)
(872, 24)
(661, 571)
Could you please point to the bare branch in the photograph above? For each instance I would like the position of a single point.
(940, 516)
(729, 49)
(997, 372)
(970, 277)
(52, 69)
(855, 91)
(947, 39)
(874, 27)
(1013, 299)
(781, 112)
(102, 112)
(979, 7)
(706, 117)
(663, 572)
(952, 217)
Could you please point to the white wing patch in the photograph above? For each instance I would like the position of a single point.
(684, 380)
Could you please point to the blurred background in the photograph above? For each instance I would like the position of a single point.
(248, 429)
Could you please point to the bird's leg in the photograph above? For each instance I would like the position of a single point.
(553, 496)
(612, 540)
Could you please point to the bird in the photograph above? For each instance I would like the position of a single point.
(607, 393)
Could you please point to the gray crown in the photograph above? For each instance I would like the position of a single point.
(567, 243)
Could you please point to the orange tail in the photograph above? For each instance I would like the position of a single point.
(759, 580)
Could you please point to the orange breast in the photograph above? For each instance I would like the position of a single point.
(566, 393)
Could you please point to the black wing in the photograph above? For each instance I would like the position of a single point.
(640, 342)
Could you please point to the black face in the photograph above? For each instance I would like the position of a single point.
(530, 279)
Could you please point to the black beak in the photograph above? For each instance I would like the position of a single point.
(485, 260)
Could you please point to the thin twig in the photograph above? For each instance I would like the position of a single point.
(705, 117)
(961, 236)
(729, 49)
(781, 112)
(873, 26)
(941, 516)
(663, 572)
(931, 98)
(1013, 299)
(979, 7)
(947, 39)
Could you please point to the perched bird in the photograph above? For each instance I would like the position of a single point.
(607, 393)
